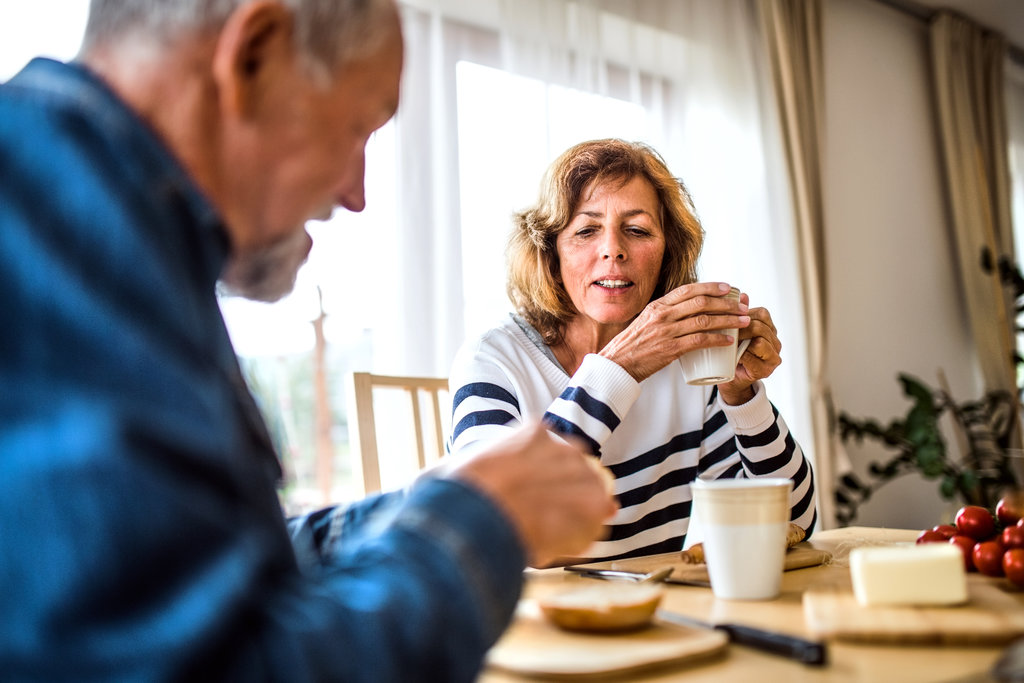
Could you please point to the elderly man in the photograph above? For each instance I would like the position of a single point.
(142, 539)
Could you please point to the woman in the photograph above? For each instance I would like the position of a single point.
(602, 272)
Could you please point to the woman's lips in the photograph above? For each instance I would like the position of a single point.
(609, 283)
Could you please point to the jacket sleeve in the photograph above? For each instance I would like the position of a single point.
(413, 587)
(121, 563)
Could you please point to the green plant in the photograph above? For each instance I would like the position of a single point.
(977, 477)
(984, 429)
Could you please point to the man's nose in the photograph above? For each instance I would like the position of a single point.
(352, 192)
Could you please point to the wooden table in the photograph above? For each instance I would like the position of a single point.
(847, 661)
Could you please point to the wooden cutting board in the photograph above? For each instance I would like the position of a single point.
(532, 646)
(797, 557)
(992, 615)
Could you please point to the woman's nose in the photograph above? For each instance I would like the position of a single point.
(614, 250)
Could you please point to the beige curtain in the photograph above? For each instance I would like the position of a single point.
(792, 33)
(967, 72)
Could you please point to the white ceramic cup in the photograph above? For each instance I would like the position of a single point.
(744, 522)
(716, 364)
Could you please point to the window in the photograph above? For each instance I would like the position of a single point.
(504, 148)
(350, 270)
(468, 149)
(347, 280)
(28, 29)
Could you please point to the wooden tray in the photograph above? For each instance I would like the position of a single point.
(532, 646)
(797, 557)
(992, 615)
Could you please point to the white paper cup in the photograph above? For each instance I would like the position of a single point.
(716, 364)
(744, 522)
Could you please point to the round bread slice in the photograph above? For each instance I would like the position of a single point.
(603, 607)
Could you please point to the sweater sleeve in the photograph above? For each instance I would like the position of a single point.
(767, 449)
(598, 396)
(488, 401)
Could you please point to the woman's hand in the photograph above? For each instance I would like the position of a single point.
(758, 361)
(685, 319)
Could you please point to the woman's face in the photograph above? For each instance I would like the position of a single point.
(610, 253)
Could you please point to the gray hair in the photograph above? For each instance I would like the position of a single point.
(327, 32)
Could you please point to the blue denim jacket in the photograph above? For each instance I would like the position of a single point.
(141, 535)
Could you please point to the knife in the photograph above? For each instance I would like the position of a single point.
(593, 573)
(793, 647)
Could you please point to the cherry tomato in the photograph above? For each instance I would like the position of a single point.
(966, 545)
(947, 530)
(1010, 508)
(930, 536)
(976, 522)
(1013, 566)
(1013, 536)
(988, 558)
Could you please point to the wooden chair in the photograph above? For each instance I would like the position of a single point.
(428, 431)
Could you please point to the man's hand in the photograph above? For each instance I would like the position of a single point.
(550, 490)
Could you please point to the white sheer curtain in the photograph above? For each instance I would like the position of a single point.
(405, 281)
(694, 67)
(1015, 135)
(1014, 77)
(47, 28)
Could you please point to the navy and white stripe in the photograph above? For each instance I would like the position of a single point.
(656, 436)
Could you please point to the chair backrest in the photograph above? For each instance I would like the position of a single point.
(428, 431)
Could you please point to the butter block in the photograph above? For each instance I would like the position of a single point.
(926, 574)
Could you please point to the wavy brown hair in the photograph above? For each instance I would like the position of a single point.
(534, 278)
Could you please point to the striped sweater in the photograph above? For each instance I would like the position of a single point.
(656, 436)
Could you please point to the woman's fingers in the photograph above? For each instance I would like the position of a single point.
(687, 318)
(760, 359)
(700, 307)
(695, 289)
(762, 327)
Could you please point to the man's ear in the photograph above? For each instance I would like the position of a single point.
(253, 43)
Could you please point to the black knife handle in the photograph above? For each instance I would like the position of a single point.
(793, 647)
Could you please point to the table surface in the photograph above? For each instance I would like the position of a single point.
(847, 661)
